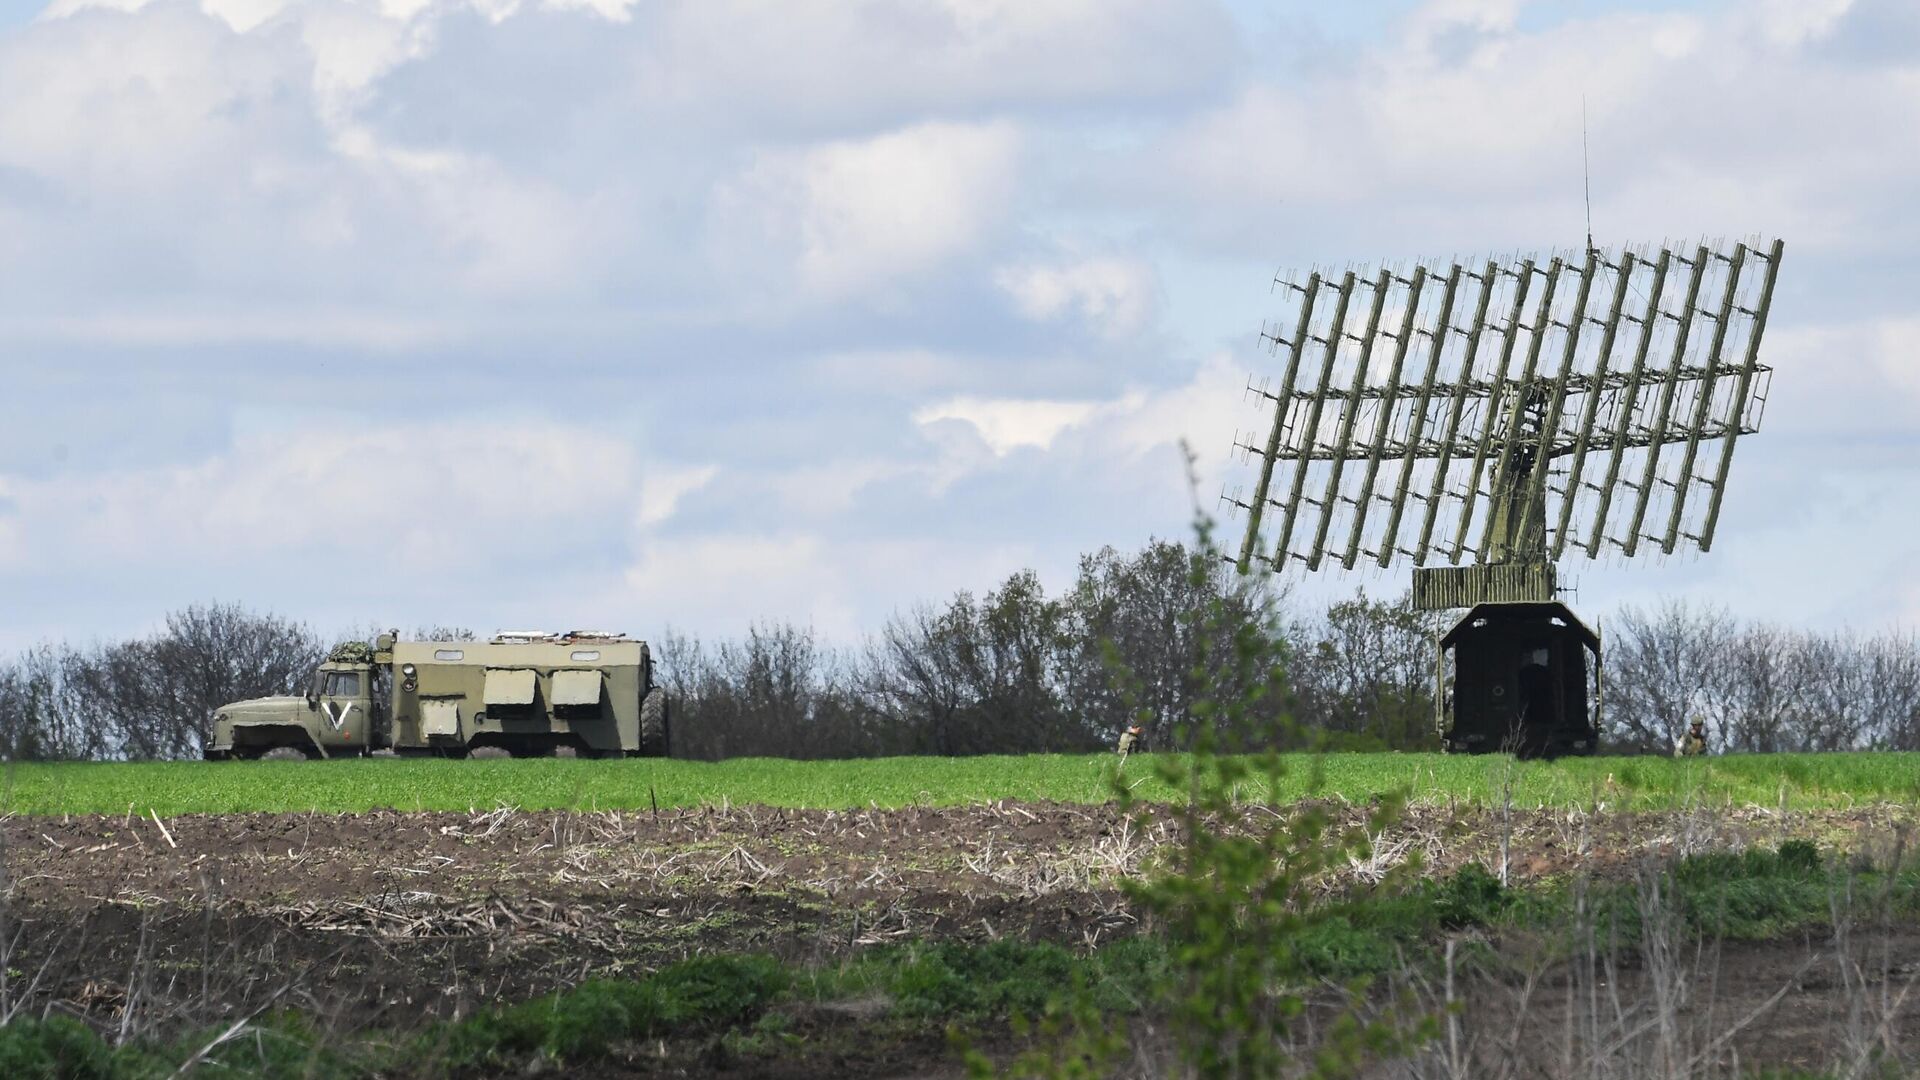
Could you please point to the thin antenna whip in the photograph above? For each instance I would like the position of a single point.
(1586, 173)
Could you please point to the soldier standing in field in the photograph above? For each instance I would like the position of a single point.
(1130, 740)
(1695, 743)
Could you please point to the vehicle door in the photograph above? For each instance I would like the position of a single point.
(346, 711)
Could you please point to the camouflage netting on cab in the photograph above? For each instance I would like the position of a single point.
(351, 652)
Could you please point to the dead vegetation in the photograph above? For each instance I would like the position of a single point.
(402, 917)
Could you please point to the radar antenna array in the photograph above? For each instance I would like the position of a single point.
(1504, 413)
(1485, 420)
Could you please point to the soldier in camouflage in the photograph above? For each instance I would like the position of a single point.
(1695, 743)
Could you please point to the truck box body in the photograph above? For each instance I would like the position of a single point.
(518, 692)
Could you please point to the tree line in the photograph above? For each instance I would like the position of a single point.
(151, 697)
(1016, 670)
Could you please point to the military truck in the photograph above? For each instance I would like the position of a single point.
(520, 694)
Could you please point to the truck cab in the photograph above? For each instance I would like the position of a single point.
(341, 713)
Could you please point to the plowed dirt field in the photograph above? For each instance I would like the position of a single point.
(388, 918)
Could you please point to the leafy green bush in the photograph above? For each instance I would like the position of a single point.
(1334, 948)
(1799, 856)
(1239, 899)
(56, 1048)
(585, 1021)
(1016, 978)
(1755, 893)
(1470, 897)
(1794, 859)
(927, 986)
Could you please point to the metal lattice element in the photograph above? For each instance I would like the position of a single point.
(1502, 413)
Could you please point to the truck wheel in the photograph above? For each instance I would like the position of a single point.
(489, 752)
(284, 753)
(654, 730)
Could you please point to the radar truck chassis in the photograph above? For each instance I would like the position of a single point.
(518, 694)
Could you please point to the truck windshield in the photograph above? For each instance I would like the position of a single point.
(344, 684)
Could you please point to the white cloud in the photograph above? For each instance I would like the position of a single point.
(1009, 424)
(664, 489)
(1897, 355)
(729, 581)
(1438, 17)
(126, 105)
(60, 9)
(828, 490)
(1204, 410)
(1197, 409)
(858, 213)
(451, 494)
(1844, 378)
(832, 65)
(352, 46)
(721, 583)
(1463, 132)
(300, 326)
(909, 371)
(618, 11)
(339, 150)
(1790, 22)
(247, 15)
(1115, 296)
(1119, 435)
(10, 525)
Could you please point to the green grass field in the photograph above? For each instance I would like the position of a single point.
(1800, 780)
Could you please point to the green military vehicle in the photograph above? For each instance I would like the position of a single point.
(518, 694)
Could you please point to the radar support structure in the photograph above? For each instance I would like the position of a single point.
(1482, 420)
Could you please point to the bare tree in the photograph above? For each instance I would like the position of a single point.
(1762, 690)
(1140, 613)
(1867, 693)
(209, 656)
(1659, 664)
(778, 693)
(1894, 660)
(152, 697)
(1366, 670)
(919, 672)
(39, 720)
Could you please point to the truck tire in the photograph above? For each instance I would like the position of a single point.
(484, 752)
(284, 753)
(654, 724)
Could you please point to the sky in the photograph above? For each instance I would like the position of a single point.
(629, 314)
